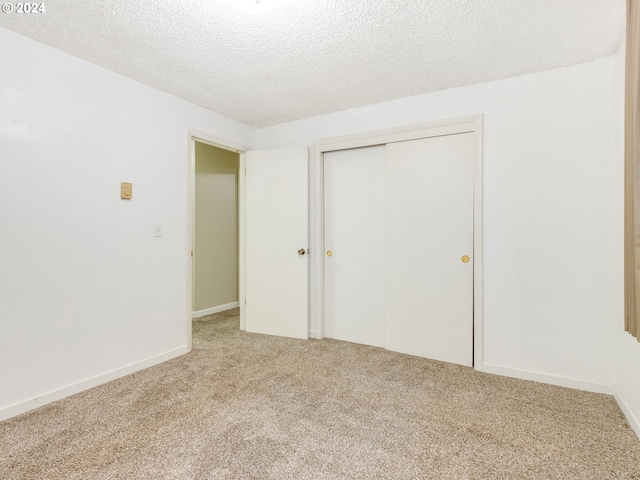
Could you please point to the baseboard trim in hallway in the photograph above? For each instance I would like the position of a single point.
(218, 309)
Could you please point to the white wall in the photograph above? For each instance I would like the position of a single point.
(551, 232)
(627, 348)
(627, 375)
(86, 292)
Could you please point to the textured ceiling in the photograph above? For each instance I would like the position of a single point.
(318, 56)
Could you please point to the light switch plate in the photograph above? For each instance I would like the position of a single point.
(126, 190)
(157, 229)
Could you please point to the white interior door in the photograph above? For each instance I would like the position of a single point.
(276, 228)
(354, 184)
(429, 229)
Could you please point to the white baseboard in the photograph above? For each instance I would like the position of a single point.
(212, 310)
(312, 334)
(54, 395)
(559, 380)
(624, 406)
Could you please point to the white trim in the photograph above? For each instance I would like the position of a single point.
(551, 379)
(452, 126)
(217, 141)
(318, 255)
(478, 248)
(392, 135)
(242, 225)
(202, 137)
(191, 239)
(191, 205)
(218, 309)
(634, 423)
(59, 393)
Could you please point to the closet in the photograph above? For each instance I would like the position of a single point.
(398, 260)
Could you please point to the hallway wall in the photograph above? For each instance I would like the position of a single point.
(216, 228)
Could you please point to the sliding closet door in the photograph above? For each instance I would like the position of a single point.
(354, 183)
(429, 247)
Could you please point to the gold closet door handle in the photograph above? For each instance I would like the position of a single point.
(329, 253)
(465, 259)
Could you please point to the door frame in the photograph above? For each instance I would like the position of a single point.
(468, 124)
(218, 142)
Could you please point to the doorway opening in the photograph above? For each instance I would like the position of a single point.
(214, 226)
(215, 230)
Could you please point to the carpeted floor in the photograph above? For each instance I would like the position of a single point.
(245, 406)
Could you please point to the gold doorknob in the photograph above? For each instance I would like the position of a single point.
(465, 259)
(329, 253)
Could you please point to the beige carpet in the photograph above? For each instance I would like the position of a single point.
(247, 406)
